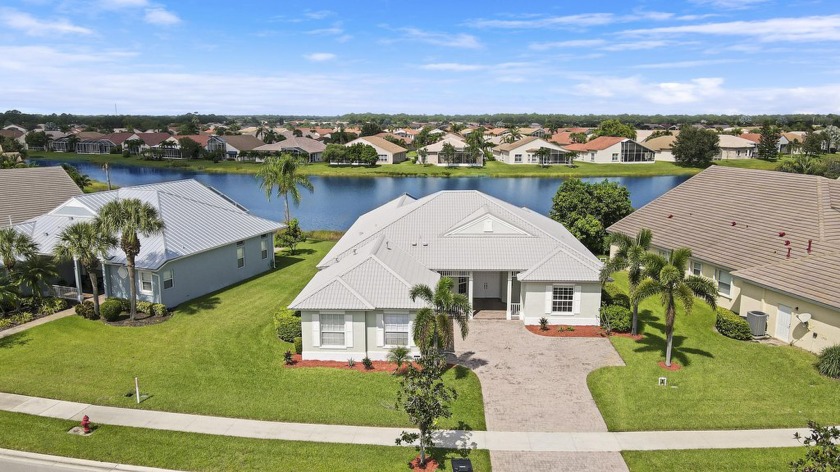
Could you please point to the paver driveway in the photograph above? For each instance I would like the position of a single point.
(537, 383)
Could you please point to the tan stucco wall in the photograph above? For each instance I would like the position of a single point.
(825, 322)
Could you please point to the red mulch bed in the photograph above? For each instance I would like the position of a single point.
(561, 331)
(378, 366)
(431, 464)
(141, 319)
(674, 366)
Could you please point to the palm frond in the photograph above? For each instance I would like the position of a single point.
(703, 288)
(680, 257)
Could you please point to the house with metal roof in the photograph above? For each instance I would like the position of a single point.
(210, 242)
(502, 257)
(770, 240)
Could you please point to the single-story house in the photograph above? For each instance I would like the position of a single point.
(387, 152)
(32, 191)
(525, 151)
(461, 158)
(306, 147)
(209, 242)
(770, 240)
(236, 144)
(612, 149)
(734, 147)
(661, 147)
(500, 256)
(16, 134)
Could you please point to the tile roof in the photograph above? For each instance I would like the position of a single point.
(700, 213)
(661, 143)
(516, 144)
(244, 142)
(197, 218)
(603, 142)
(153, 139)
(117, 138)
(32, 191)
(306, 144)
(754, 137)
(11, 133)
(728, 141)
(456, 142)
(381, 143)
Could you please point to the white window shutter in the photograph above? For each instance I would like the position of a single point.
(576, 301)
(380, 330)
(316, 329)
(410, 331)
(549, 298)
(348, 330)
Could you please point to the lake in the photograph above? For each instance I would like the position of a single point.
(338, 201)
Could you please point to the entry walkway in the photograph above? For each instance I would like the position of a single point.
(511, 441)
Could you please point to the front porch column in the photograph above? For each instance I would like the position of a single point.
(78, 273)
(472, 300)
(509, 289)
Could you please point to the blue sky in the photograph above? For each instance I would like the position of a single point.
(171, 57)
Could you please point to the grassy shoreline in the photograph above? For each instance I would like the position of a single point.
(407, 169)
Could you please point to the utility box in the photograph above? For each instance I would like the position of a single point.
(462, 465)
(758, 323)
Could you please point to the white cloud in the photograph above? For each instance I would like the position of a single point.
(574, 21)
(319, 56)
(572, 43)
(729, 4)
(459, 40)
(684, 64)
(118, 4)
(453, 67)
(635, 46)
(318, 15)
(802, 29)
(161, 16)
(32, 26)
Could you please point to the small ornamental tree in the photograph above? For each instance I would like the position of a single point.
(291, 236)
(822, 453)
(767, 148)
(425, 398)
(695, 146)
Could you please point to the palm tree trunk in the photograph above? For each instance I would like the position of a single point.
(635, 329)
(668, 347)
(129, 261)
(94, 287)
(288, 215)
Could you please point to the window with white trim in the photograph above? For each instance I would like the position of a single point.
(240, 254)
(615, 157)
(724, 280)
(696, 268)
(382, 158)
(264, 246)
(145, 281)
(517, 158)
(396, 329)
(562, 299)
(332, 329)
(168, 275)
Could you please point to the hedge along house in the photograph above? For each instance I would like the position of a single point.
(500, 256)
(209, 242)
(771, 241)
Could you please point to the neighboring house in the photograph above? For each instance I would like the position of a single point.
(770, 240)
(499, 255)
(661, 147)
(733, 147)
(462, 158)
(16, 134)
(209, 242)
(538, 132)
(386, 151)
(612, 149)
(306, 147)
(236, 144)
(525, 151)
(791, 143)
(15, 127)
(32, 191)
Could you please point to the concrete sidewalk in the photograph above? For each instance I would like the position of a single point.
(491, 440)
(13, 461)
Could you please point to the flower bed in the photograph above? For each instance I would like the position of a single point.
(563, 331)
(377, 366)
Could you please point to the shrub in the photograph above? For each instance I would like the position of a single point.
(612, 295)
(398, 355)
(111, 309)
(85, 310)
(298, 345)
(351, 363)
(287, 358)
(829, 361)
(543, 324)
(367, 363)
(125, 304)
(144, 307)
(52, 305)
(616, 318)
(159, 309)
(287, 325)
(731, 325)
(5, 323)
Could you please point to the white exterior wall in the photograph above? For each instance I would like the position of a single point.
(603, 156)
(664, 155)
(535, 304)
(736, 153)
(393, 158)
(366, 337)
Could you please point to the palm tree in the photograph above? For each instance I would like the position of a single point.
(282, 173)
(84, 242)
(632, 256)
(35, 273)
(9, 294)
(130, 217)
(673, 287)
(514, 134)
(447, 153)
(543, 153)
(434, 324)
(13, 246)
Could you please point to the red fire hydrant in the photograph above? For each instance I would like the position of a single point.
(86, 424)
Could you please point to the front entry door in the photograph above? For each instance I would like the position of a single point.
(783, 323)
(486, 285)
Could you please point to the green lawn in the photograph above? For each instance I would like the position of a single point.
(190, 451)
(97, 186)
(709, 460)
(724, 384)
(406, 169)
(219, 356)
